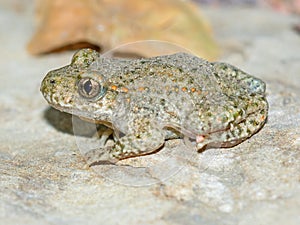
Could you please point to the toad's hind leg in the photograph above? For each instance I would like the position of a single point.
(235, 134)
(143, 137)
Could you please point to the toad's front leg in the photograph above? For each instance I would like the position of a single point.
(144, 137)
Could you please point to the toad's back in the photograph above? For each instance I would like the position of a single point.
(182, 90)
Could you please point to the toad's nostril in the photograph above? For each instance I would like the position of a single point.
(52, 81)
(68, 99)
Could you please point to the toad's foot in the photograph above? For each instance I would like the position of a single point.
(144, 139)
(100, 156)
(235, 134)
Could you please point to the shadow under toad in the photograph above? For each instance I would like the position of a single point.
(68, 123)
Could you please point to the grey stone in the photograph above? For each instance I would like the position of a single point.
(44, 179)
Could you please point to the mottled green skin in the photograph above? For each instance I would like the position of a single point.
(149, 100)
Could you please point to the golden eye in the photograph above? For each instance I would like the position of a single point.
(91, 89)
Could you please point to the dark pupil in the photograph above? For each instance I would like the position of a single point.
(87, 86)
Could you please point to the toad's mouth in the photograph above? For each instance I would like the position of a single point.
(84, 115)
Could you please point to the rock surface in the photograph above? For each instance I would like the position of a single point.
(44, 179)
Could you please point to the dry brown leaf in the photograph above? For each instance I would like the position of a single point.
(110, 23)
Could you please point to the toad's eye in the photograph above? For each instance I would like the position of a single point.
(90, 89)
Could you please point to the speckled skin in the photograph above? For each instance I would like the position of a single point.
(146, 101)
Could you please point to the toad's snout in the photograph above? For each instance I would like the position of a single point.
(57, 91)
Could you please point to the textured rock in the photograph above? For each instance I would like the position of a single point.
(44, 179)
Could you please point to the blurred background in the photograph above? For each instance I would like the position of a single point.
(103, 25)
